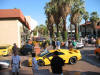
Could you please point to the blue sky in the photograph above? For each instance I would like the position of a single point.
(35, 8)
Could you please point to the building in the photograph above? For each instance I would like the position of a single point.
(87, 29)
(32, 23)
(13, 27)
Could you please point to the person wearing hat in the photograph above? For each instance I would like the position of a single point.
(56, 64)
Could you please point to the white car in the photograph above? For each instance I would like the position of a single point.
(80, 45)
(4, 64)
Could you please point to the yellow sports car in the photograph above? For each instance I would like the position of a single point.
(5, 49)
(69, 56)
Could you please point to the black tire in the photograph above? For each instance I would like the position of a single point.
(40, 62)
(97, 55)
(72, 60)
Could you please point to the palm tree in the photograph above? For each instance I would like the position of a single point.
(76, 16)
(85, 17)
(62, 9)
(59, 10)
(94, 19)
(50, 18)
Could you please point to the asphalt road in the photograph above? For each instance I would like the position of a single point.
(89, 65)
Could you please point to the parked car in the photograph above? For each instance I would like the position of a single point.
(97, 52)
(68, 56)
(5, 49)
(79, 45)
(26, 49)
(4, 64)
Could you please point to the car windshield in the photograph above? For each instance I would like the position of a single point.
(3, 47)
(43, 53)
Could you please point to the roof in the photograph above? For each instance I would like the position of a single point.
(88, 23)
(97, 27)
(13, 13)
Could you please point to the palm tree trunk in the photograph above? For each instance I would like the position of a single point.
(64, 30)
(76, 32)
(51, 31)
(85, 27)
(58, 34)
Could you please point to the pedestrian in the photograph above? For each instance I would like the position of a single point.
(45, 49)
(69, 43)
(34, 65)
(53, 44)
(58, 44)
(14, 48)
(71, 48)
(74, 43)
(44, 43)
(66, 44)
(97, 42)
(57, 64)
(15, 63)
(86, 40)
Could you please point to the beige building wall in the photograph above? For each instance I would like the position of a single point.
(20, 31)
(10, 32)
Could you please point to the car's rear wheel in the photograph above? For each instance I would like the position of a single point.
(72, 60)
(40, 62)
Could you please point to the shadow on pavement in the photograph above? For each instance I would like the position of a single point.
(89, 56)
(25, 63)
(80, 73)
(47, 72)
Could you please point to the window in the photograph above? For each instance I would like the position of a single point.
(60, 53)
(48, 55)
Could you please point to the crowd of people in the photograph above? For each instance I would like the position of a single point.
(56, 62)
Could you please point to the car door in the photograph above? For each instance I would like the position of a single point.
(47, 58)
(63, 56)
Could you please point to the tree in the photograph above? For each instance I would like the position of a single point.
(60, 10)
(50, 18)
(94, 18)
(42, 30)
(35, 31)
(85, 17)
(76, 15)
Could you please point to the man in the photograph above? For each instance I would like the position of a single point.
(58, 44)
(53, 44)
(56, 64)
(44, 44)
(34, 64)
(14, 48)
(74, 43)
(97, 42)
(15, 63)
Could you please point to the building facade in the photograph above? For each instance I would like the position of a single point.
(87, 29)
(13, 27)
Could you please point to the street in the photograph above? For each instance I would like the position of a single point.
(89, 65)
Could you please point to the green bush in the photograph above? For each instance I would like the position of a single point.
(65, 35)
(77, 36)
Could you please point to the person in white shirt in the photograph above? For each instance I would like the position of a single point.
(34, 65)
(66, 45)
(15, 63)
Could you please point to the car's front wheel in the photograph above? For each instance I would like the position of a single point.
(72, 60)
(40, 62)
